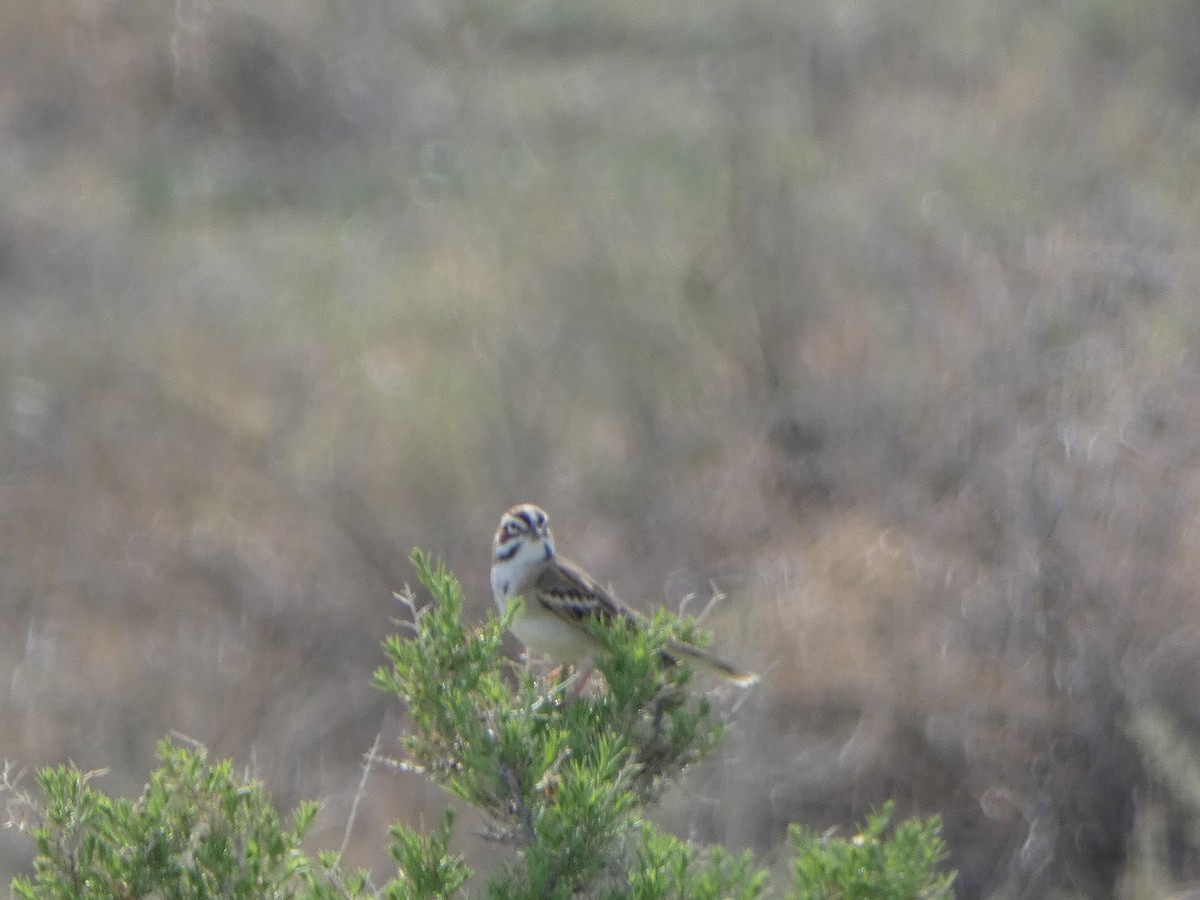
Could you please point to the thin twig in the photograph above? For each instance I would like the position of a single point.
(187, 739)
(21, 801)
(400, 765)
(717, 596)
(359, 793)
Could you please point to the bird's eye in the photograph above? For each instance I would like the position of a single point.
(541, 521)
(509, 530)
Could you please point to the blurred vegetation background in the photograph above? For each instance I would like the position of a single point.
(880, 318)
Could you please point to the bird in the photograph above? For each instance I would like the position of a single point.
(560, 599)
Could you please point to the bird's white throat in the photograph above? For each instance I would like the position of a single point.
(511, 573)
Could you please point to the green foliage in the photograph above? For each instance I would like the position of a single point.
(564, 779)
(197, 831)
(561, 777)
(427, 868)
(870, 866)
(667, 868)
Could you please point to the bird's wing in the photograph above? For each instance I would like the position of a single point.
(567, 591)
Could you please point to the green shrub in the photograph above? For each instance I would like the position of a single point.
(196, 831)
(870, 866)
(564, 780)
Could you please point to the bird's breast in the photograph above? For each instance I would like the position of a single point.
(549, 636)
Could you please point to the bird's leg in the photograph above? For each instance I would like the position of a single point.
(571, 685)
(582, 675)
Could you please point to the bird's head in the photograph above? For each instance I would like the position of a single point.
(523, 536)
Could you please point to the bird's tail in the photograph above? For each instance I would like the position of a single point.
(679, 652)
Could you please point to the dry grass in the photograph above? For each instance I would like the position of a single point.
(884, 324)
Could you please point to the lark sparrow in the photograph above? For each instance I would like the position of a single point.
(560, 598)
